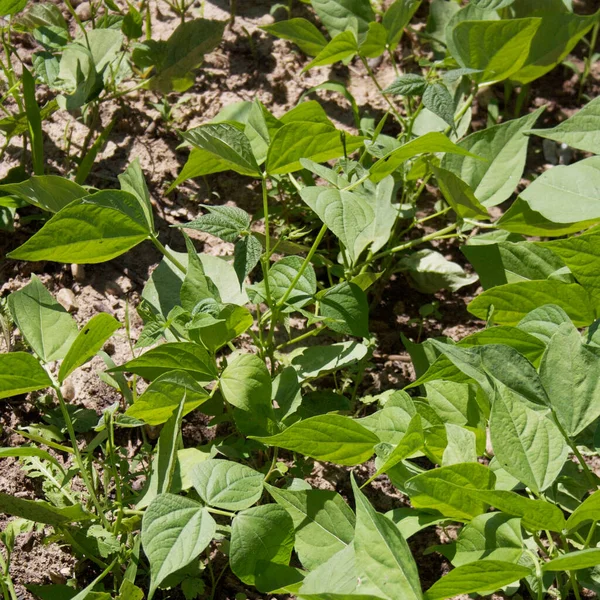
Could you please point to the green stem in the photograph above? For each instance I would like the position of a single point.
(6, 581)
(218, 511)
(79, 23)
(588, 473)
(356, 183)
(267, 255)
(78, 459)
(302, 337)
(538, 574)
(273, 464)
(111, 456)
(588, 60)
(167, 254)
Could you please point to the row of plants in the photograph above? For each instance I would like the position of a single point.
(505, 418)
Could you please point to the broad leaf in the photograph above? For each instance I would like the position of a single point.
(332, 438)
(409, 84)
(503, 149)
(382, 553)
(346, 308)
(580, 559)
(48, 192)
(42, 512)
(300, 31)
(439, 101)
(396, 18)
(315, 361)
(21, 373)
(175, 530)
(225, 222)
(132, 180)
(340, 15)
(260, 534)
(543, 322)
(323, 522)
(46, 326)
(227, 485)
(246, 256)
(342, 46)
(459, 195)
(588, 511)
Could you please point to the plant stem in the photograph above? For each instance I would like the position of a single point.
(273, 463)
(78, 459)
(588, 60)
(218, 511)
(167, 254)
(588, 473)
(267, 255)
(302, 337)
(6, 581)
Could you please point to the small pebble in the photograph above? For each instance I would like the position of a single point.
(67, 389)
(78, 272)
(66, 298)
(84, 11)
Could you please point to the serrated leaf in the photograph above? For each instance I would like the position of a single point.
(175, 530)
(227, 485)
(332, 438)
(438, 100)
(46, 326)
(225, 222)
(300, 31)
(409, 84)
(21, 373)
(87, 343)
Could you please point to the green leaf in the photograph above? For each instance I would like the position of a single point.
(317, 141)
(543, 322)
(11, 7)
(263, 533)
(430, 272)
(199, 163)
(175, 530)
(300, 31)
(459, 195)
(226, 143)
(438, 100)
(566, 372)
(225, 222)
(581, 131)
(340, 15)
(526, 441)
(346, 309)
(227, 485)
(567, 194)
(162, 397)
(281, 276)
(484, 576)
(503, 150)
(89, 341)
(247, 253)
(410, 521)
(513, 301)
(585, 512)
(196, 287)
(374, 45)
(21, 373)
(34, 119)
(492, 536)
(396, 18)
(133, 181)
(183, 52)
(42, 512)
(46, 326)
(175, 356)
(411, 442)
(342, 46)
(535, 514)
(332, 438)
(509, 262)
(496, 48)
(409, 84)
(91, 230)
(450, 490)
(579, 559)
(382, 553)
(315, 361)
(214, 333)
(323, 523)
(428, 143)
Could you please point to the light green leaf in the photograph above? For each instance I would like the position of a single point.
(281, 276)
(330, 437)
(11, 7)
(175, 530)
(408, 84)
(323, 522)
(91, 230)
(503, 150)
(543, 322)
(132, 180)
(247, 253)
(485, 576)
(579, 559)
(162, 397)
(227, 485)
(175, 356)
(496, 48)
(382, 554)
(429, 143)
(42, 512)
(225, 222)
(410, 521)
(263, 533)
(340, 15)
(199, 163)
(300, 31)
(21, 373)
(226, 143)
(347, 214)
(396, 18)
(315, 361)
(374, 45)
(588, 511)
(459, 195)
(342, 46)
(513, 301)
(245, 382)
(567, 374)
(346, 309)
(450, 490)
(492, 536)
(317, 141)
(526, 442)
(46, 326)
(48, 192)
(89, 341)
(581, 131)
(455, 403)
(461, 445)
(439, 101)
